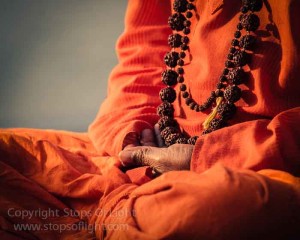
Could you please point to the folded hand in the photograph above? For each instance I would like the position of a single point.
(175, 157)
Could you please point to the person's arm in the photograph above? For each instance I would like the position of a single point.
(255, 145)
(135, 82)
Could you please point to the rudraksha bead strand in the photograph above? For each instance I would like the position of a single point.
(227, 91)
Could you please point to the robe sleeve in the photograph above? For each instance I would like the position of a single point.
(134, 84)
(256, 145)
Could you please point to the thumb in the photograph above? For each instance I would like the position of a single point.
(138, 156)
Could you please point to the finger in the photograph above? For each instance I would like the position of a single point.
(149, 156)
(131, 140)
(147, 138)
(131, 146)
(126, 156)
(138, 156)
(135, 156)
(159, 140)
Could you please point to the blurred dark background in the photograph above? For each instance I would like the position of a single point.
(55, 59)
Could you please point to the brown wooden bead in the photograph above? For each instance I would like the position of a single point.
(216, 124)
(232, 93)
(186, 30)
(182, 54)
(172, 138)
(237, 76)
(240, 58)
(219, 93)
(192, 105)
(193, 140)
(225, 71)
(230, 56)
(226, 110)
(165, 109)
(229, 64)
(247, 42)
(180, 62)
(237, 34)
(184, 46)
(167, 131)
(180, 70)
(166, 122)
(169, 77)
(176, 21)
(206, 131)
(167, 94)
(171, 59)
(200, 108)
(189, 14)
(253, 5)
(220, 85)
(181, 140)
(180, 5)
(235, 42)
(180, 79)
(190, 6)
(244, 9)
(182, 87)
(185, 39)
(185, 94)
(174, 40)
(239, 26)
(187, 23)
(250, 22)
(188, 101)
(232, 50)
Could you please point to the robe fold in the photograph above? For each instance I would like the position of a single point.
(243, 181)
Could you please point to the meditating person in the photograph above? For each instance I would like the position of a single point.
(198, 137)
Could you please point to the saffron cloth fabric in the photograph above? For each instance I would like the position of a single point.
(243, 181)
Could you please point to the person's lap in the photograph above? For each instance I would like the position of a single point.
(62, 170)
(52, 170)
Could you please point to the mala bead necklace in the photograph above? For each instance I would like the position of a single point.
(227, 91)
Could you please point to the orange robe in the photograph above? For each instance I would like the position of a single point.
(243, 181)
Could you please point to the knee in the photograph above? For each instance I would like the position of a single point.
(218, 204)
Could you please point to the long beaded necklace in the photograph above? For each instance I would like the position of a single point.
(227, 91)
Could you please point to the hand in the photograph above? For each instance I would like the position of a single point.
(175, 157)
(148, 137)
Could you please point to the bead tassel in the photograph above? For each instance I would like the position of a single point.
(213, 114)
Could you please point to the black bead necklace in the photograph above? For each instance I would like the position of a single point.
(227, 91)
